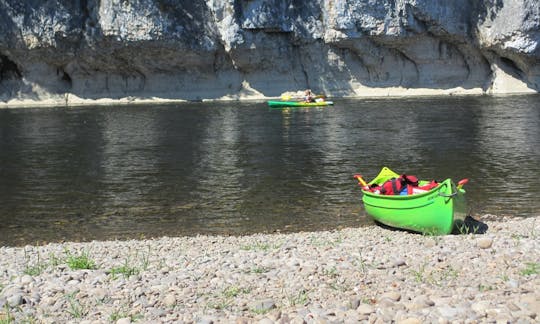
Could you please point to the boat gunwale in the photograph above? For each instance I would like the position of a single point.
(439, 187)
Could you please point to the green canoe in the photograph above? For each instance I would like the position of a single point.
(433, 212)
(298, 103)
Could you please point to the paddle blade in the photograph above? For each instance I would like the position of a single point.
(461, 183)
(361, 181)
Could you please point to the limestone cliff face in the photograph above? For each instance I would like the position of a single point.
(89, 49)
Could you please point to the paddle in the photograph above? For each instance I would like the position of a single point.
(461, 183)
(361, 181)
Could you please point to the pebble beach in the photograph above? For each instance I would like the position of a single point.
(368, 274)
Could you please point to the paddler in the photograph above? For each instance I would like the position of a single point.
(309, 96)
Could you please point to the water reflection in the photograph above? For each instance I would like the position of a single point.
(97, 173)
(509, 150)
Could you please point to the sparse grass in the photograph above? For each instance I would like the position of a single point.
(145, 260)
(259, 311)
(54, 261)
(299, 299)
(419, 274)
(342, 287)
(79, 262)
(126, 270)
(361, 263)
(118, 314)
(449, 274)
(123, 312)
(259, 246)
(534, 234)
(433, 234)
(482, 287)
(234, 291)
(517, 238)
(6, 317)
(332, 272)
(367, 300)
(220, 304)
(434, 277)
(259, 270)
(316, 241)
(225, 300)
(75, 309)
(28, 319)
(33, 269)
(531, 268)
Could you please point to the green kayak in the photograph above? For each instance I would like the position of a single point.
(433, 212)
(298, 104)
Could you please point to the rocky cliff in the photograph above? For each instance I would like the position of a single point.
(64, 51)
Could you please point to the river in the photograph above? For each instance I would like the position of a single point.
(238, 168)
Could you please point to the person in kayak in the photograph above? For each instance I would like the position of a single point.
(309, 96)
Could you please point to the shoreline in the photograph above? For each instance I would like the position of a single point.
(70, 100)
(369, 274)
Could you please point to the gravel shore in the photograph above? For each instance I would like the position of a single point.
(369, 274)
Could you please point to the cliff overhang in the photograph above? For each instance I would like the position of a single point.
(66, 52)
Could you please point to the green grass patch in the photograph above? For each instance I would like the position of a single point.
(126, 270)
(259, 270)
(234, 291)
(531, 268)
(80, 262)
(225, 299)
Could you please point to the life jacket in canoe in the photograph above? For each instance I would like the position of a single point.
(403, 184)
(395, 186)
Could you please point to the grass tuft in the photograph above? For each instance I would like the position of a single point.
(532, 268)
(75, 309)
(33, 269)
(79, 262)
(299, 299)
(125, 270)
(6, 317)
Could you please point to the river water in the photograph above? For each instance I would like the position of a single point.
(237, 168)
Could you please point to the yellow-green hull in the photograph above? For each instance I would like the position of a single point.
(276, 104)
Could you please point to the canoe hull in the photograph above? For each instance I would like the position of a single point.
(435, 212)
(298, 104)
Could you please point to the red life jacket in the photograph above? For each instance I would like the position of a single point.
(395, 185)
